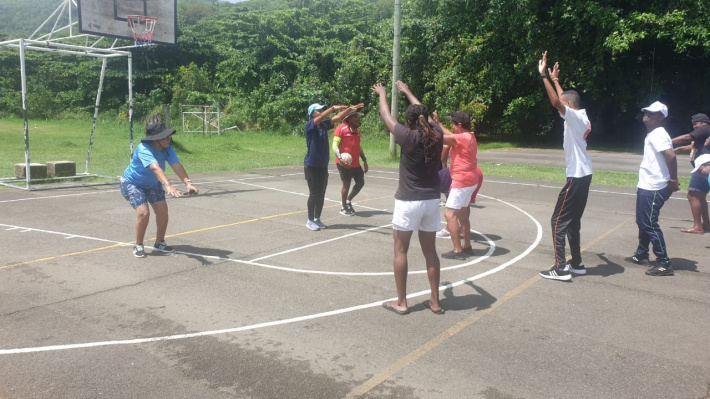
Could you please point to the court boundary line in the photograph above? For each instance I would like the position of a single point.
(292, 320)
(444, 336)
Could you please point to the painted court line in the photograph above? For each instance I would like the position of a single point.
(560, 187)
(443, 337)
(285, 321)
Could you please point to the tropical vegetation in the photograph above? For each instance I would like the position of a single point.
(262, 62)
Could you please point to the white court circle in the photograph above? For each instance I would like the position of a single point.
(377, 303)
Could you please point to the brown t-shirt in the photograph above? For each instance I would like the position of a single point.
(417, 181)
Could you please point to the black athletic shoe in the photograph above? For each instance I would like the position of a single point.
(663, 269)
(556, 274)
(468, 251)
(638, 259)
(578, 270)
(139, 251)
(453, 255)
(349, 205)
(162, 246)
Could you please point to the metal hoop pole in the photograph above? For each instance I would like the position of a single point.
(96, 113)
(23, 72)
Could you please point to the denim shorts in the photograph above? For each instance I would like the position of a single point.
(698, 183)
(137, 196)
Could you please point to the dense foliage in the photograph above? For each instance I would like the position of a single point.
(264, 61)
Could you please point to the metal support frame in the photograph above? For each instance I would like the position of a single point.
(205, 116)
(54, 42)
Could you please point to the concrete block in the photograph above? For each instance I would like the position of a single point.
(60, 168)
(37, 171)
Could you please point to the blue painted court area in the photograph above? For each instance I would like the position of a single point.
(254, 305)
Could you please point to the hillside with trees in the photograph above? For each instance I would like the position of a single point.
(263, 62)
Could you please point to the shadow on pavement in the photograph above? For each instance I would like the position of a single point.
(191, 252)
(606, 269)
(479, 300)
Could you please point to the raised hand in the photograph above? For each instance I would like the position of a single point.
(542, 64)
(555, 72)
(379, 89)
(402, 87)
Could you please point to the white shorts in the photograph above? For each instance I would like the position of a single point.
(416, 215)
(460, 197)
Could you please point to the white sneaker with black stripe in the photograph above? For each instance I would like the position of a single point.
(556, 274)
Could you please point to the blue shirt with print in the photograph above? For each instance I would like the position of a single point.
(138, 172)
(318, 153)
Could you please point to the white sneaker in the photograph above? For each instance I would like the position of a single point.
(443, 233)
(312, 225)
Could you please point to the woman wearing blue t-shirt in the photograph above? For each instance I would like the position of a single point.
(144, 182)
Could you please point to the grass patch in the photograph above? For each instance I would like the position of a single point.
(68, 140)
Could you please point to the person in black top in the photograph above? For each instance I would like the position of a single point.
(417, 197)
(698, 187)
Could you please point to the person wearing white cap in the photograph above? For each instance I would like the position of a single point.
(702, 166)
(566, 219)
(698, 187)
(658, 179)
(315, 163)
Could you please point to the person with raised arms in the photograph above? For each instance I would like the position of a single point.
(417, 198)
(566, 219)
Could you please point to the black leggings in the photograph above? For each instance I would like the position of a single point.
(317, 179)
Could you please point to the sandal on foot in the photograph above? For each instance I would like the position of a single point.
(388, 305)
(428, 306)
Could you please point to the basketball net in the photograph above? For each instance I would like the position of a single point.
(142, 27)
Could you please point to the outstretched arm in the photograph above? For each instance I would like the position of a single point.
(345, 111)
(553, 93)
(182, 174)
(404, 89)
(324, 115)
(449, 138)
(389, 120)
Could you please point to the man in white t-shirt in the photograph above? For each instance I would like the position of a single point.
(658, 179)
(566, 219)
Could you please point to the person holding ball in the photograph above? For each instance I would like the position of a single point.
(347, 150)
(315, 163)
(144, 182)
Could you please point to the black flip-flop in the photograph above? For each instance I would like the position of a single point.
(440, 311)
(389, 307)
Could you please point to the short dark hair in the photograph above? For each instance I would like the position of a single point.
(573, 97)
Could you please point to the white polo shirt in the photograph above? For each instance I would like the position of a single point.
(653, 173)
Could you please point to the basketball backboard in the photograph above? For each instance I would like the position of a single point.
(109, 18)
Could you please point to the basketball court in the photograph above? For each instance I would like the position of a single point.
(254, 305)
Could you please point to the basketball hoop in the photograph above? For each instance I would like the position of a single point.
(142, 27)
